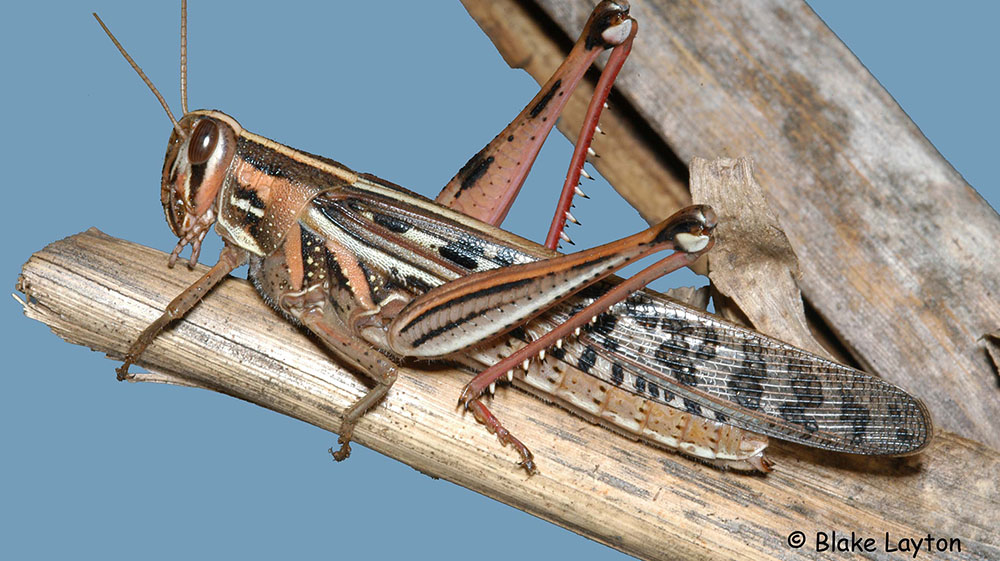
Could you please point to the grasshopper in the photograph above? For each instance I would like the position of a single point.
(379, 273)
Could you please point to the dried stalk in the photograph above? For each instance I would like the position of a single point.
(98, 291)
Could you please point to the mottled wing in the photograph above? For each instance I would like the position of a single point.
(693, 361)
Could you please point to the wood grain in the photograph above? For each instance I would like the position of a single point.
(897, 253)
(750, 249)
(98, 291)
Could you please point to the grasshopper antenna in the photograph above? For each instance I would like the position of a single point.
(142, 75)
(184, 57)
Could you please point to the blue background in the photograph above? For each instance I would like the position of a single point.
(92, 467)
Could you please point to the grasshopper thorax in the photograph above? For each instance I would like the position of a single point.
(199, 153)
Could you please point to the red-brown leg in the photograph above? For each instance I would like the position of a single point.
(487, 185)
(484, 416)
(681, 258)
(583, 141)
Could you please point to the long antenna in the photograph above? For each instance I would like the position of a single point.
(184, 57)
(142, 75)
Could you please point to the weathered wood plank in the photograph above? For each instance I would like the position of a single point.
(100, 292)
(897, 253)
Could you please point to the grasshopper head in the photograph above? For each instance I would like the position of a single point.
(199, 153)
(201, 148)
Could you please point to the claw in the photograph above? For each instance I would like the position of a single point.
(493, 425)
(344, 452)
(584, 173)
(580, 193)
(122, 371)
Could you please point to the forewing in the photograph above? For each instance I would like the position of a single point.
(693, 361)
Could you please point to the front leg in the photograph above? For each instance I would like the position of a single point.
(230, 258)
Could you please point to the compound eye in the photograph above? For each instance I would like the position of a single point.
(203, 141)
